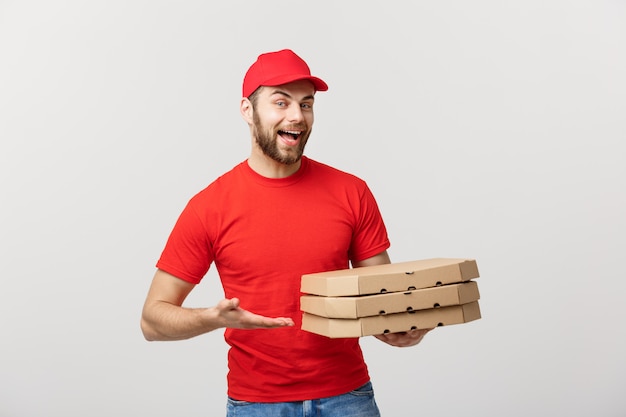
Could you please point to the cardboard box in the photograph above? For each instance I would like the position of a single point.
(402, 276)
(396, 302)
(391, 323)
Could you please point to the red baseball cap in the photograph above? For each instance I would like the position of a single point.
(277, 68)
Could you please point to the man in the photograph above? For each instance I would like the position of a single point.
(271, 219)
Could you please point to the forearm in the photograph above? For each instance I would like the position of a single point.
(162, 321)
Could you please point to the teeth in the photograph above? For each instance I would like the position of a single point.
(293, 133)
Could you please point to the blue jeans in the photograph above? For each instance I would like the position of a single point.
(357, 403)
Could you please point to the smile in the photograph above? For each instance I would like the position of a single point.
(293, 134)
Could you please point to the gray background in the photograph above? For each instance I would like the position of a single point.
(486, 129)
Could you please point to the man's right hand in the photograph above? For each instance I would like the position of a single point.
(235, 317)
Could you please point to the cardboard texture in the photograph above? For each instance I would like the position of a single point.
(395, 277)
(373, 305)
(391, 323)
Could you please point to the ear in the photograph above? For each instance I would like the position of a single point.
(245, 107)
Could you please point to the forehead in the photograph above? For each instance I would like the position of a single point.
(297, 89)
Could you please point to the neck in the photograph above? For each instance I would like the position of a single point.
(269, 168)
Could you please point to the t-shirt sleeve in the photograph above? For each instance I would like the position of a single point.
(370, 236)
(188, 253)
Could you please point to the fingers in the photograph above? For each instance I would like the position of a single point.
(270, 322)
(404, 339)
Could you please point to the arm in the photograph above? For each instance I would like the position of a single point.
(402, 339)
(164, 318)
(380, 259)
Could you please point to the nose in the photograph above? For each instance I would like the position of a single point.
(294, 114)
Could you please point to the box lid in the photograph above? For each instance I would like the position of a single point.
(401, 276)
(391, 323)
(372, 305)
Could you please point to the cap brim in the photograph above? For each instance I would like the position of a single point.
(318, 83)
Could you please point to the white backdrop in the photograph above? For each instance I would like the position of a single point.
(487, 129)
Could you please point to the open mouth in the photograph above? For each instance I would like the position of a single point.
(290, 135)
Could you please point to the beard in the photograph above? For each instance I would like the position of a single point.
(267, 140)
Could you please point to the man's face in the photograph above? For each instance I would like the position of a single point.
(283, 118)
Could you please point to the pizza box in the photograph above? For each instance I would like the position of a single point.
(396, 302)
(394, 277)
(391, 323)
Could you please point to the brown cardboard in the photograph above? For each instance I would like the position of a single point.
(391, 323)
(401, 276)
(396, 302)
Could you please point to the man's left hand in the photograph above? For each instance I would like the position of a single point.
(403, 339)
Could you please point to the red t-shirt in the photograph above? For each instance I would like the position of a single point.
(263, 234)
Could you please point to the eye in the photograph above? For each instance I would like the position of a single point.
(306, 106)
(281, 103)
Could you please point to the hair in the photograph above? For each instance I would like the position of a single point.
(254, 97)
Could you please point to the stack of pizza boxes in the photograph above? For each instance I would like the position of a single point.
(390, 298)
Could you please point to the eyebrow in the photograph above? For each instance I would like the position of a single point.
(283, 93)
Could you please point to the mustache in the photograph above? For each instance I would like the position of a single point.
(294, 127)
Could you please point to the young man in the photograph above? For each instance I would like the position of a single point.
(271, 219)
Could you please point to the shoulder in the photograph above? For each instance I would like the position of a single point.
(320, 169)
(221, 185)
